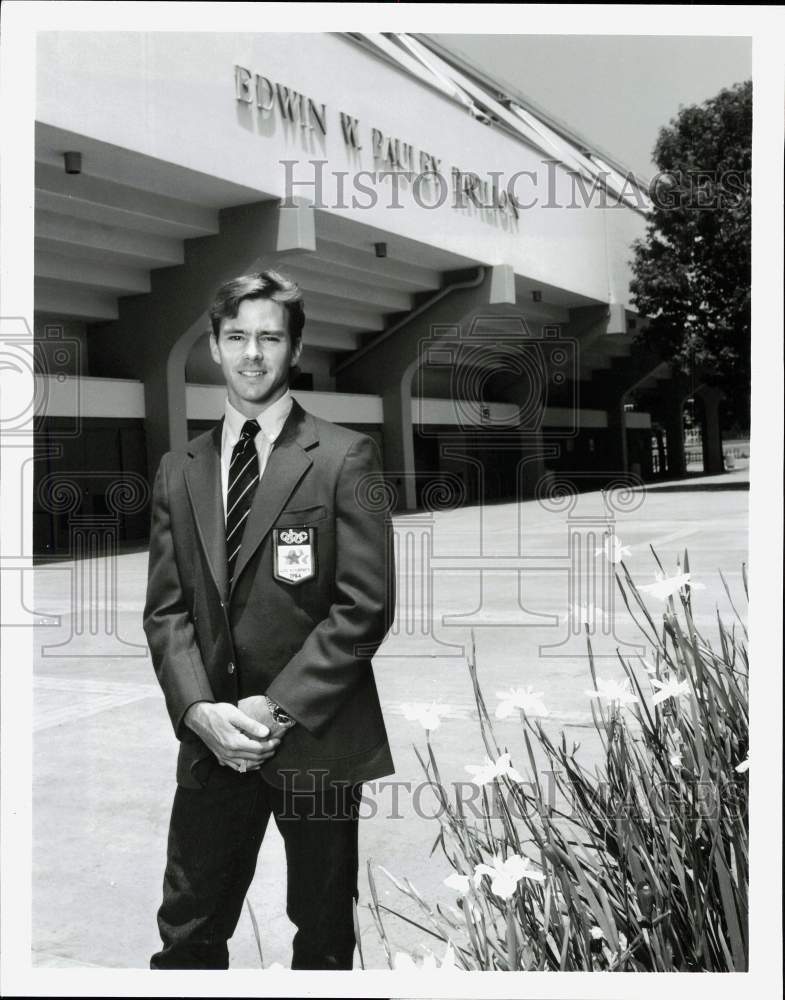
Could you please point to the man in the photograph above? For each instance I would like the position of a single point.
(270, 586)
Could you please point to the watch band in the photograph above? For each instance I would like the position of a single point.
(278, 713)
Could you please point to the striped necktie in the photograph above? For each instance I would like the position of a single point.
(243, 480)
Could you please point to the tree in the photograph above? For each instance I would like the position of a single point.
(692, 269)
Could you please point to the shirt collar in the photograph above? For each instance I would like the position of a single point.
(270, 420)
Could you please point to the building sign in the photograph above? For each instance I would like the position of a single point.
(432, 181)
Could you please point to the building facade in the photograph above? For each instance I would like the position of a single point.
(464, 260)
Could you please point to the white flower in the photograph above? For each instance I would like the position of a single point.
(448, 961)
(744, 766)
(505, 875)
(484, 774)
(676, 758)
(667, 586)
(520, 700)
(403, 962)
(597, 935)
(427, 715)
(672, 688)
(461, 883)
(613, 691)
(612, 548)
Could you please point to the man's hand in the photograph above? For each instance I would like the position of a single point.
(256, 707)
(236, 739)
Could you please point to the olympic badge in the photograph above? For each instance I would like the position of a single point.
(294, 554)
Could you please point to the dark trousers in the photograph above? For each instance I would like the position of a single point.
(214, 837)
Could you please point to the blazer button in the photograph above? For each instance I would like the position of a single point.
(231, 668)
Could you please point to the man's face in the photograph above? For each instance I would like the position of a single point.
(255, 355)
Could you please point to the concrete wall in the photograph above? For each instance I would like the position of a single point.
(172, 96)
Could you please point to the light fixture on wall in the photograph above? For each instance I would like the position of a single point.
(380, 249)
(73, 163)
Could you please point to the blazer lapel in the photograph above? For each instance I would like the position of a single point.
(203, 482)
(287, 464)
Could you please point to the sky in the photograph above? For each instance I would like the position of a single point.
(617, 91)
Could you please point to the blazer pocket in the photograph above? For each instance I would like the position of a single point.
(301, 515)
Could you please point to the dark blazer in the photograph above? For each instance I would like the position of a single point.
(306, 644)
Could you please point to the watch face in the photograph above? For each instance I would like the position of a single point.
(279, 715)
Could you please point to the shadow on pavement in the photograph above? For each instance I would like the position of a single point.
(697, 487)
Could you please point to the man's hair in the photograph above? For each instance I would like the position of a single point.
(261, 285)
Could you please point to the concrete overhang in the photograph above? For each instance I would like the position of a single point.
(100, 234)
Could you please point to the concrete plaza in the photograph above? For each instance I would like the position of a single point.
(105, 754)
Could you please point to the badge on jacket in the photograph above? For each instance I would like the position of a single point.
(294, 554)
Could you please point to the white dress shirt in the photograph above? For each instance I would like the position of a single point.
(270, 421)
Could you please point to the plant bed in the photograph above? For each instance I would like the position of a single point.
(639, 865)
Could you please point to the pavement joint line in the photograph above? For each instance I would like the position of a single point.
(47, 955)
(111, 696)
(72, 867)
(89, 686)
(95, 697)
(465, 712)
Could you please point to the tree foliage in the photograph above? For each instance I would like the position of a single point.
(692, 269)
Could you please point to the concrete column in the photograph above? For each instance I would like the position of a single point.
(617, 426)
(674, 429)
(387, 364)
(713, 462)
(532, 464)
(165, 414)
(399, 461)
(643, 368)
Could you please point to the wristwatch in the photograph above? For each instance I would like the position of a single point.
(278, 713)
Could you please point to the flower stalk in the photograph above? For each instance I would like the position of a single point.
(642, 863)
